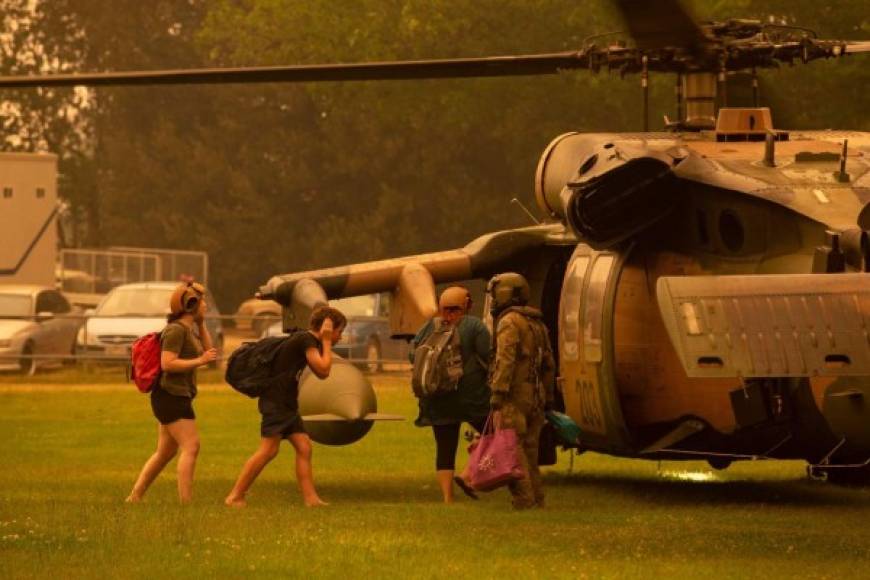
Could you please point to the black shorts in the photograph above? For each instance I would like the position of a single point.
(169, 408)
(279, 419)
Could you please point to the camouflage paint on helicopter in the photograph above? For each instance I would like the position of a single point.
(697, 204)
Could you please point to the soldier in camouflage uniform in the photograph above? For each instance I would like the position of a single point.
(522, 377)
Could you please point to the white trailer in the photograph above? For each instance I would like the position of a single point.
(28, 214)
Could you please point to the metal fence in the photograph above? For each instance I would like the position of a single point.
(174, 264)
(80, 346)
(98, 271)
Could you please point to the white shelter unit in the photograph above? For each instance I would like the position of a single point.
(28, 212)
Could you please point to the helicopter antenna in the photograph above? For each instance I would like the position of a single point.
(525, 209)
(754, 87)
(644, 84)
(679, 90)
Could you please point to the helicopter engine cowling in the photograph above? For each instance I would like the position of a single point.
(607, 190)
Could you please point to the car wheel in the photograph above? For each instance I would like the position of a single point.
(28, 364)
(373, 356)
(219, 345)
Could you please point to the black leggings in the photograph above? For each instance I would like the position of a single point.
(447, 441)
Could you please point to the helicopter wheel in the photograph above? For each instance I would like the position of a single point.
(719, 463)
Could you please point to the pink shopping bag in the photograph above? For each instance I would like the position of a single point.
(494, 461)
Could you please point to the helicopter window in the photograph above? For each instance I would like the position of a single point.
(731, 231)
(589, 164)
(594, 307)
(570, 307)
(703, 234)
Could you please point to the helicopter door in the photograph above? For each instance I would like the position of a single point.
(586, 344)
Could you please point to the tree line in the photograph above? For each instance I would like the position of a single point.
(276, 178)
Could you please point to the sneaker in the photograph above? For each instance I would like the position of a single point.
(466, 489)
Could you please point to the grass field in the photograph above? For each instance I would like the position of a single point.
(71, 452)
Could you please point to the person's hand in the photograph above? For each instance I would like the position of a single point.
(326, 330)
(208, 356)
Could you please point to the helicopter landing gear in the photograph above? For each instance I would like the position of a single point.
(719, 463)
(858, 475)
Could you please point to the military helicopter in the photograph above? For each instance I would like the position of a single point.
(706, 285)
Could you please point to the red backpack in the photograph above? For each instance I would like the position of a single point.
(145, 362)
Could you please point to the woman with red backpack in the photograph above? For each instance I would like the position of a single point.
(185, 345)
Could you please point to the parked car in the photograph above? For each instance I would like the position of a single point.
(133, 310)
(35, 320)
(366, 340)
(257, 315)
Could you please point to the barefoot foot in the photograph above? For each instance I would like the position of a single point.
(133, 498)
(314, 502)
(235, 502)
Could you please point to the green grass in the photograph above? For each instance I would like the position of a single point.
(90, 374)
(71, 453)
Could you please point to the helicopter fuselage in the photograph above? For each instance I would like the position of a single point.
(736, 215)
(772, 217)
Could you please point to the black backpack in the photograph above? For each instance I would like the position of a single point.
(249, 368)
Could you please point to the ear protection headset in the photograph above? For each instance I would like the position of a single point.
(186, 298)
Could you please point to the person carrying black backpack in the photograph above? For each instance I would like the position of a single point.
(465, 396)
(279, 406)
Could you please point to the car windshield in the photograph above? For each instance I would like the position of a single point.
(136, 302)
(356, 305)
(15, 305)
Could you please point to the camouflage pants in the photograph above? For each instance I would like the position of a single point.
(529, 491)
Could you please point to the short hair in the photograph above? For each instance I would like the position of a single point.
(321, 313)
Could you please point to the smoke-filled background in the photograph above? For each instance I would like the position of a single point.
(276, 178)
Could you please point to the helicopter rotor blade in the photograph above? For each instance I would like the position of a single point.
(534, 64)
(660, 24)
